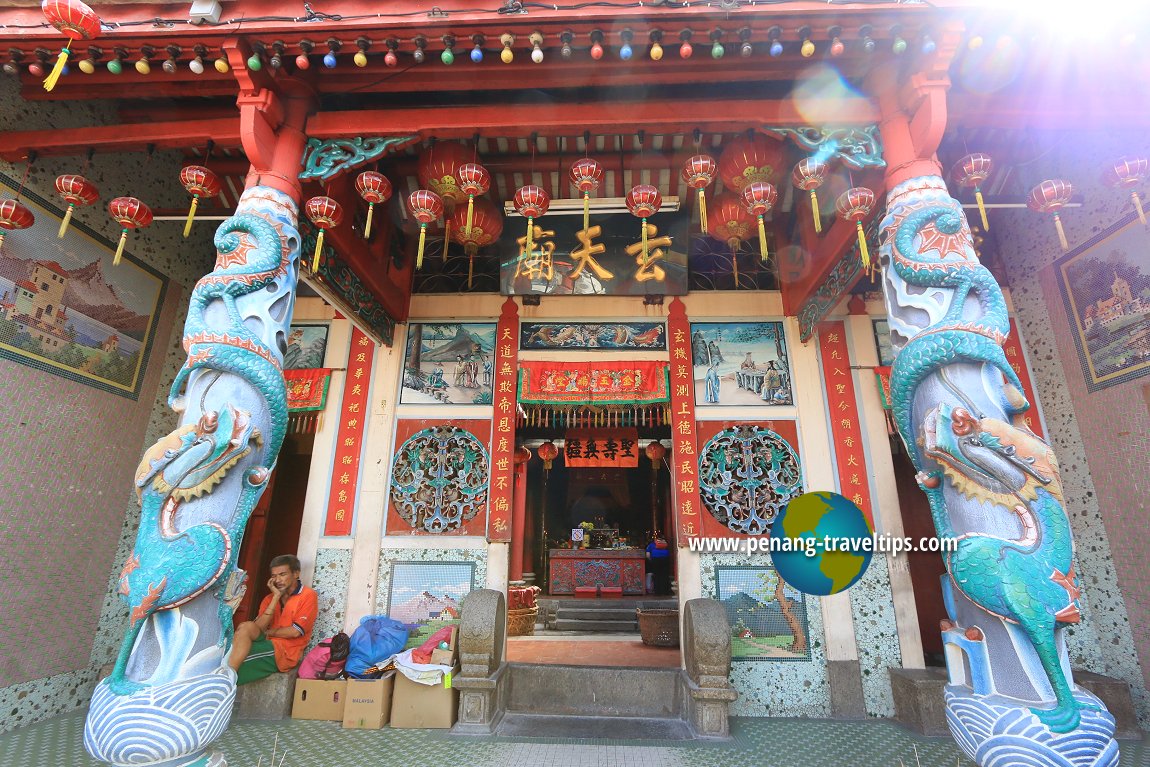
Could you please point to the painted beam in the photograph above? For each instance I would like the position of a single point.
(14, 145)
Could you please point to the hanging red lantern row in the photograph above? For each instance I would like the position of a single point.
(130, 213)
(200, 182)
(759, 198)
(532, 202)
(438, 171)
(750, 159)
(14, 215)
(485, 227)
(426, 206)
(732, 225)
(808, 175)
(376, 190)
(1052, 196)
(854, 205)
(474, 181)
(326, 214)
(971, 171)
(586, 175)
(75, 20)
(644, 201)
(76, 191)
(1128, 173)
(699, 173)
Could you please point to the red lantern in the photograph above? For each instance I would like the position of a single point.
(326, 214)
(75, 20)
(732, 225)
(548, 452)
(698, 173)
(655, 451)
(474, 181)
(808, 175)
(426, 206)
(971, 171)
(439, 171)
(759, 198)
(76, 190)
(531, 202)
(200, 182)
(1050, 197)
(749, 159)
(521, 455)
(644, 201)
(13, 216)
(131, 214)
(485, 228)
(854, 205)
(586, 175)
(1127, 173)
(375, 189)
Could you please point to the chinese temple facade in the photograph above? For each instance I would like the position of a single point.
(491, 297)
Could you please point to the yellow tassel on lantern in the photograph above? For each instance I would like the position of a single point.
(530, 231)
(981, 209)
(120, 247)
(470, 214)
(67, 220)
(367, 226)
(1138, 207)
(762, 240)
(815, 212)
(191, 215)
(586, 211)
(422, 240)
(703, 212)
(58, 67)
(735, 265)
(315, 256)
(862, 245)
(1061, 234)
(446, 234)
(644, 242)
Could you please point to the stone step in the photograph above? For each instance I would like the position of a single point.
(629, 603)
(600, 626)
(615, 727)
(596, 614)
(594, 691)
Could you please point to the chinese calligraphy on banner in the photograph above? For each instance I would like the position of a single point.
(1013, 349)
(842, 409)
(684, 474)
(353, 412)
(503, 423)
(601, 447)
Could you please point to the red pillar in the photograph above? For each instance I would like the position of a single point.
(518, 519)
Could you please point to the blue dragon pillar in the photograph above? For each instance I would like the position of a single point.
(994, 489)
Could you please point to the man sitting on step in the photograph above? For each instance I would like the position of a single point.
(275, 641)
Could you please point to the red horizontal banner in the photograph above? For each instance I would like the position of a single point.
(585, 383)
(307, 388)
(601, 447)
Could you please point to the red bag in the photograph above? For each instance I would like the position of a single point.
(327, 659)
(422, 654)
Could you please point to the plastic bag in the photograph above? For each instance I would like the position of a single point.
(377, 638)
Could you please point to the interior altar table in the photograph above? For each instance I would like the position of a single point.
(571, 568)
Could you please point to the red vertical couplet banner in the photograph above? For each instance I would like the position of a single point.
(685, 463)
(353, 412)
(503, 423)
(1013, 349)
(842, 409)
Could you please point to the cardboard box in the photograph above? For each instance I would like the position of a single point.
(420, 705)
(368, 704)
(319, 699)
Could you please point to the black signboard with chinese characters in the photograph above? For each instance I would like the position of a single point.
(607, 259)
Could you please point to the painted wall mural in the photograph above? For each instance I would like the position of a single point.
(306, 347)
(65, 309)
(427, 595)
(449, 363)
(1105, 283)
(747, 473)
(439, 478)
(584, 336)
(740, 363)
(768, 618)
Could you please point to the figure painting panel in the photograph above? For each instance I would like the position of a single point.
(449, 363)
(740, 363)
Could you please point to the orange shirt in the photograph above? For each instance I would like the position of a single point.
(299, 613)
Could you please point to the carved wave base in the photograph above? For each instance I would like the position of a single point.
(995, 731)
